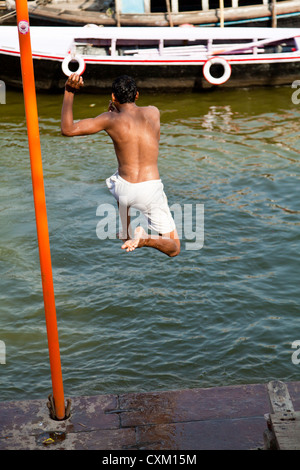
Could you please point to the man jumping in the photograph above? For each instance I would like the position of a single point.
(135, 132)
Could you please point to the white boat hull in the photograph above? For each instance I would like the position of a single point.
(165, 68)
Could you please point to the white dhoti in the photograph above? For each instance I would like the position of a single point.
(148, 197)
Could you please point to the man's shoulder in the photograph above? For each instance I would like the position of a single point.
(151, 110)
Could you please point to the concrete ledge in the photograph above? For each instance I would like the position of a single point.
(221, 418)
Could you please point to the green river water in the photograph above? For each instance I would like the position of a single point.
(222, 314)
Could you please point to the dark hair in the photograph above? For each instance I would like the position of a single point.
(124, 88)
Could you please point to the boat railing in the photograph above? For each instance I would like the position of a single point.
(199, 49)
(168, 50)
(268, 46)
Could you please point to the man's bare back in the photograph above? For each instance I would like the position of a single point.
(135, 132)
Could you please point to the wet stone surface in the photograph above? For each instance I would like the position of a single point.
(198, 419)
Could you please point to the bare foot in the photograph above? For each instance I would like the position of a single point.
(139, 239)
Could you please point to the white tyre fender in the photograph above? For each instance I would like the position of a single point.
(68, 59)
(213, 80)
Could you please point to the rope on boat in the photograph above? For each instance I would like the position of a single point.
(7, 16)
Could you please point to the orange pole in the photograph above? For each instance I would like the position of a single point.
(40, 203)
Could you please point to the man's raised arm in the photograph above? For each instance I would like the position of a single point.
(85, 126)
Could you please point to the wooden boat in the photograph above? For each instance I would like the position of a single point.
(160, 59)
(253, 13)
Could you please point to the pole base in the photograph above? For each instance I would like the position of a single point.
(51, 407)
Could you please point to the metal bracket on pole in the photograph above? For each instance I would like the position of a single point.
(51, 407)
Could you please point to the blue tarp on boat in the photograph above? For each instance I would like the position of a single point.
(133, 6)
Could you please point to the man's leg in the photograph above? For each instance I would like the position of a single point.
(125, 222)
(167, 243)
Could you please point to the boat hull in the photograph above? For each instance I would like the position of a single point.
(287, 13)
(151, 78)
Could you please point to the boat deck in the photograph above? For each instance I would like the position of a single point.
(230, 418)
